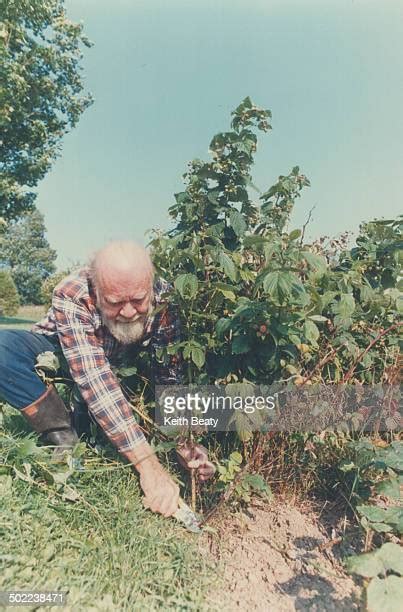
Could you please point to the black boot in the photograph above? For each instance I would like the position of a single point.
(49, 416)
(80, 417)
(84, 424)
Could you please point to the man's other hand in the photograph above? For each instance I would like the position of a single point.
(195, 457)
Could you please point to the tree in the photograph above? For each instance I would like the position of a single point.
(9, 299)
(26, 253)
(49, 285)
(40, 94)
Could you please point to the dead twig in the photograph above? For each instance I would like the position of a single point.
(351, 371)
(323, 362)
(306, 225)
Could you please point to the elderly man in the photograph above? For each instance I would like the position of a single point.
(94, 314)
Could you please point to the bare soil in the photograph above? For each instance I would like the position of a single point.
(277, 557)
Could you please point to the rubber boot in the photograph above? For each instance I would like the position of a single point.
(49, 416)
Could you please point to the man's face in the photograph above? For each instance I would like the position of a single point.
(125, 305)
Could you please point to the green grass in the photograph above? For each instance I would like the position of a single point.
(105, 549)
(25, 318)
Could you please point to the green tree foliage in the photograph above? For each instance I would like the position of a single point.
(260, 304)
(9, 299)
(25, 252)
(40, 94)
(49, 284)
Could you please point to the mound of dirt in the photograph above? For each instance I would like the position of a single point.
(277, 558)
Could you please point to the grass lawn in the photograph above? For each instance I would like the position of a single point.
(104, 548)
(24, 319)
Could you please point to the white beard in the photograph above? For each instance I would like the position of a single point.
(127, 333)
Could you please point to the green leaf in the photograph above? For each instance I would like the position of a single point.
(372, 513)
(392, 557)
(229, 295)
(213, 195)
(226, 290)
(392, 516)
(222, 326)
(316, 262)
(240, 344)
(367, 565)
(269, 250)
(247, 275)
(385, 594)
(282, 285)
(367, 294)
(187, 285)
(126, 372)
(227, 265)
(347, 466)
(380, 527)
(257, 482)
(173, 349)
(244, 434)
(237, 222)
(294, 234)
(393, 456)
(187, 350)
(345, 307)
(326, 298)
(255, 240)
(311, 332)
(181, 197)
(236, 457)
(343, 311)
(198, 356)
(294, 339)
(389, 487)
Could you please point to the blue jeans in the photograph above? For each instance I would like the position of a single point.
(20, 385)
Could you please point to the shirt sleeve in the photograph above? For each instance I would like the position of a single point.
(91, 371)
(167, 331)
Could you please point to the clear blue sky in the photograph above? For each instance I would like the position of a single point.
(165, 76)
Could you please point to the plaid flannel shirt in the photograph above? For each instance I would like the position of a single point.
(89, 347)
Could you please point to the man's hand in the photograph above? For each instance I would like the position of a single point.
(161, 493)
(195, 457)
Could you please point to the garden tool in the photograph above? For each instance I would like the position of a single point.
(49, 417)
(186, 516)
